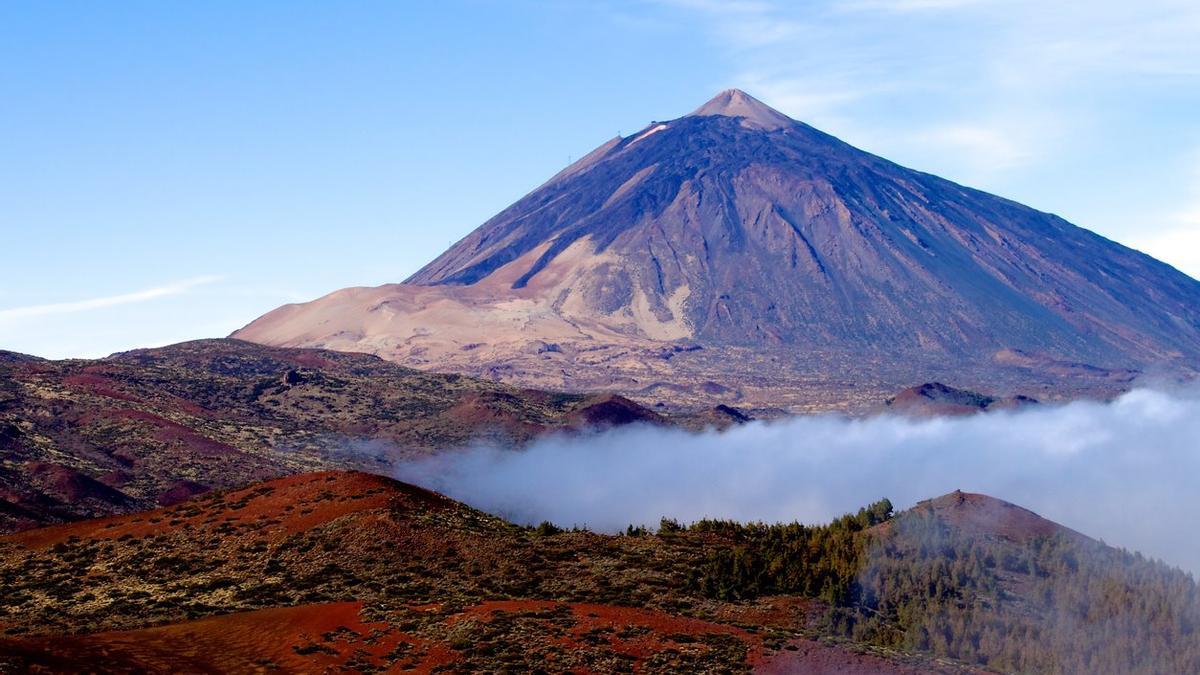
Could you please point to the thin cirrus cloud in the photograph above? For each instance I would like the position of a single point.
(742, 25)
(144, 295)
(988, 148)
(970, 54)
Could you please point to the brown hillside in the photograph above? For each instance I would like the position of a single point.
(350, 571)
(82, 438)
(354, 571)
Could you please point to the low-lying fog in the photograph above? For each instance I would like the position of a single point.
(1127, 472)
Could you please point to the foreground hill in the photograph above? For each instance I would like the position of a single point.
(83, 438)
(736, 253)
(353, 571)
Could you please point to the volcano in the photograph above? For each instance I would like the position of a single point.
(735, 254)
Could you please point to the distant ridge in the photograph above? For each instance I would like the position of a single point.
(935, 398)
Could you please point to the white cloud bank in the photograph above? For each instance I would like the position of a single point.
(1127, 472)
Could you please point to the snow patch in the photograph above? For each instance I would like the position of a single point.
(653, 131)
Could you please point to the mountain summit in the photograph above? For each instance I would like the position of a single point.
(737, 103)
(737, 254)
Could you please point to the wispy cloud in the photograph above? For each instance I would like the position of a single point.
(144, 295)
(813, 99)
(979, 150)
(1041, 103)
(746, 24)
(1020, 56)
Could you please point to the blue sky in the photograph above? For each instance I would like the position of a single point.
(172, 170)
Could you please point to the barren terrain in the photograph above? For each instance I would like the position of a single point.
(338, 571)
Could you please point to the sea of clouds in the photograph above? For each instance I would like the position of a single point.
(1127, 471)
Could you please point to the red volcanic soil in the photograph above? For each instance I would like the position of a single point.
(783, 611)
(815, 658)
(631, 631)
(305, 639)
(336, 638)
(284, 506)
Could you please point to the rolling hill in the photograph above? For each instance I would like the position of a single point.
(350, 571)
(81, 438)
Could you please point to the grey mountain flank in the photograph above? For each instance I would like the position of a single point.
(736, 255)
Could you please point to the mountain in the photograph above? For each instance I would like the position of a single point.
(82, 438)
(345, 571)
(936, 399)
(738, 256)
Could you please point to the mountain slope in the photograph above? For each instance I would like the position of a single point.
(83, 438)
(349, 571)
(735, 228)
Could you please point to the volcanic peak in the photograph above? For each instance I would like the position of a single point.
(737, 103)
